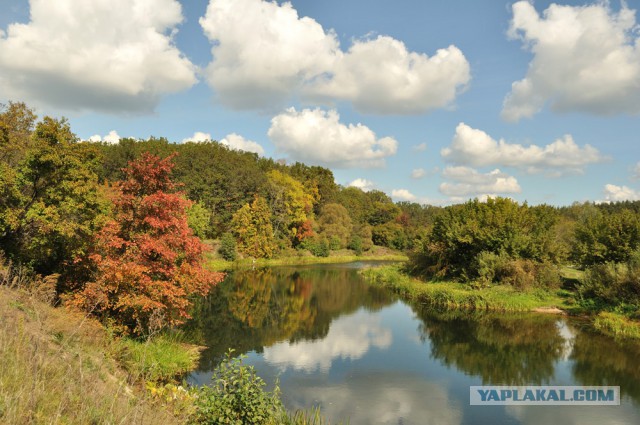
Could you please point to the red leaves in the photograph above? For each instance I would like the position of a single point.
(147, 259)
(305, 230)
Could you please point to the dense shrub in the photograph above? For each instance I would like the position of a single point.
(613, 285)
(227, 249)
(519, 273)
(237, 396)
(602, 237)
(493, 241)
(319, 247)
(391, 235)
(356, 245)
(335, 243)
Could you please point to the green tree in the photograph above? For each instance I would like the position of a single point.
(606, 236)
(357, 203)
(335, 223)
(364, 234)
(391, 235)
(384, 210)
(319, 179)
(199, 219)
(290, 203)
(52, 204)
(499, 226)
(16, 125)
(227, 247)
(252, 228)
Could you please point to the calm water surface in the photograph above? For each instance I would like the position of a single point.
(364, 356)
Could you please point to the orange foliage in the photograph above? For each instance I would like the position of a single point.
(146, 261)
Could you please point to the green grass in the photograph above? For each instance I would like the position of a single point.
(160, 359)
(452, 295)
(218, 264)
(571, 273)
(617, 325)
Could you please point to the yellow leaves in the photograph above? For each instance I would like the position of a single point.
(177, 397)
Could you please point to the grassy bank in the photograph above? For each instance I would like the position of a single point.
(60, 367)
(216, 263)
(451, 295)
(617, 325)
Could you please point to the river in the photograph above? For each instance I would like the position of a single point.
(366, 357)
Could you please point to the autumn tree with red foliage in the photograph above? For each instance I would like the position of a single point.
(147, 263)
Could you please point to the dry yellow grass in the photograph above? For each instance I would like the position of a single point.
(56, 368)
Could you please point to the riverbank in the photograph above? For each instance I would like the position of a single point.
(457, 296)
(452, 295)
(215, 263)
(60, 366)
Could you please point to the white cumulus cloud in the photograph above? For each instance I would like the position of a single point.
(263, 51)
(239, 143)
(613, 193)
(585, 58)
(198, 137)
(418, 173)
(362, 184)
(466, 181)
(264, 54)
(474, 147)
(381, 76)
(112, 138)
(316, 136)
(403, 195)
(106, 55)
(420, 147)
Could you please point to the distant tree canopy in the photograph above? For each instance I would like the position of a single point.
(222, 181)
(500, 226)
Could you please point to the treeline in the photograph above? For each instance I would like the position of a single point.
(109, 222)
(58, 195)
(269, 207)
(503, 242)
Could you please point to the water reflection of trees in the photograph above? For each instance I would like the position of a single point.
(501, 349)
(600, 360)
(256, 308)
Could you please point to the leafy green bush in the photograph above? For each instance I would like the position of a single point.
(356, 245)
(228, 247)
(199, 218)
(613, 285)
(335, 243)
(519, 273)
(237, 396)
(316, 246)
(602, 237)
(466, 235)
(391, 235)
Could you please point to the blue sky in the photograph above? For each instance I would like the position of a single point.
(433, 102)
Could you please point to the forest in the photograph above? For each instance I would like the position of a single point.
(77, 212)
